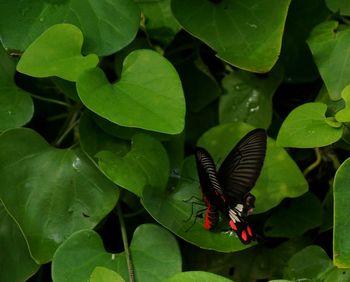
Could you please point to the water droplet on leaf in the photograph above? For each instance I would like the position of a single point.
(77, 163)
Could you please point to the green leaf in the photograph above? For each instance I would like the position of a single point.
(108, 26)
(16, 106)
(338, 274)
(93, 139)
(176, 208)
(15, 260)
(50, 192)
(307, 127)
(329, 48)
(123, 132)
(148, 95)
(248, 98)
(159, 21)
(344, 114)
(145, 164)
(103, 274)
(57, 52)
(341, 225)
(244, 33)
(303, 214)
(196, 276)
(339, 6)
(154, 251)
(310, 263)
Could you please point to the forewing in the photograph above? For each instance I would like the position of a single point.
(207, 174)
(241, 168)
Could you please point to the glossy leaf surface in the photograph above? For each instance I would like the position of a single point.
(51, 193)
(16, 106)
(107, 25)
(148, 95)
(57, 52)
(307, 127)
(150, 263)
(328, 43)
(244, 33)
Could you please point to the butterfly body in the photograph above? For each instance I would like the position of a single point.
(227, 191)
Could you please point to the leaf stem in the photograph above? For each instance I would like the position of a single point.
(73, 121)
(315, 163)
(49, 100)
(126, 245)
(333, 157)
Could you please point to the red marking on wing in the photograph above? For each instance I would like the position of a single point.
(249, 230)
(207, 223)
(233, 225)
(244, 235)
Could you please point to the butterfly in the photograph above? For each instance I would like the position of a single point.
(227, 191)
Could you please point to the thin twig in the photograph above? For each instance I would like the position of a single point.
(49, 100)
(315, 163)
(69, 128)
(126, 245)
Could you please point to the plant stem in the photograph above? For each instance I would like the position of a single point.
(49, 100)
(315, 163)
(126, 244)
(70, 123)
(333, 157)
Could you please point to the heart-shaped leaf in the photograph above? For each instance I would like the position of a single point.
(50, 192)
(154, 251)
(15, 260)
(148, 95)
(245, 33)
(16, 106)
(329, 47)
(145, 164)
(176, 208)
(57, 52)
(108, 26)
(307, 127)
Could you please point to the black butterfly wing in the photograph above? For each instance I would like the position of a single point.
(211, 189)
(241, 168)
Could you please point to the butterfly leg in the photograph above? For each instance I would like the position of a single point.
(198, 214)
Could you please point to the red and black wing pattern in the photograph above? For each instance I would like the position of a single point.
(211, 189)
(228, 189)
(239, 225)
(241, 168)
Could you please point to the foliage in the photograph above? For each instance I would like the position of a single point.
(102, 104)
